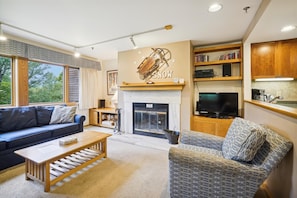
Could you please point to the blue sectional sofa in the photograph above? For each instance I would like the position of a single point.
(21, 127)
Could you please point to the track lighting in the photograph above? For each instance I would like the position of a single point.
(2, 36)
(76, 53)
(133, 42)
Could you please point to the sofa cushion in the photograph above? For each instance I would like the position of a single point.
(243, 140)
(12, 119)
(63, 114)
(2, 145)
(44, 114)
(25, 136)
(58, 130)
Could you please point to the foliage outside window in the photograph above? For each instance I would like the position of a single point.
(5, 80)
(45, 83)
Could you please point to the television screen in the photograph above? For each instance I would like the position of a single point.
(218, 104)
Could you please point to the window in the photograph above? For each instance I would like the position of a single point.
(73, 84)
(5, 80)
(45, 82)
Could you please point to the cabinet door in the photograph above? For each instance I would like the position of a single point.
(202, 124)
(263, 59)
(286, 60)
(223, 127)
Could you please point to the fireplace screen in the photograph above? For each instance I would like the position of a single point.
(150, 119)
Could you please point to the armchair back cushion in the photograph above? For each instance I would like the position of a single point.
(244, 138)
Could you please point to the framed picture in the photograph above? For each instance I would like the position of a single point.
(112, 81)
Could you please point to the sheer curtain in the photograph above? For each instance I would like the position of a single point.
(88, 88)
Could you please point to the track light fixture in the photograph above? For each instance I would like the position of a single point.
(2, 37)
(133, 42)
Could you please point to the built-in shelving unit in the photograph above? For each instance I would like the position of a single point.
(215, 57)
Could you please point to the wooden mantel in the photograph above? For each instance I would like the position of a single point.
(156, 86)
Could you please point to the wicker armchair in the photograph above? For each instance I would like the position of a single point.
(198, 167)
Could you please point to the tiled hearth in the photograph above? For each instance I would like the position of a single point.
(170, 97)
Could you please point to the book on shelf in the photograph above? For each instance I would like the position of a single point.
(201, 58)
(229, 56)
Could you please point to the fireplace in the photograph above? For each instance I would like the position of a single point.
(150, 119)
(170, 97)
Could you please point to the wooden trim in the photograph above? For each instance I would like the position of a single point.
(22, 82)
(288, 111)
(157, 86)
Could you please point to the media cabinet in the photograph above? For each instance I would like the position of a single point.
(214, 126)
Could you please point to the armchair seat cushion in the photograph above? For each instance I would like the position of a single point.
(243, 140)
(209, 151)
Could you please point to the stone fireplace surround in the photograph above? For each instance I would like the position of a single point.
(170, 97)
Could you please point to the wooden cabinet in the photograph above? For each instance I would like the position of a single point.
(104, 117)
(214, 126)
(215, 57)
(274, 59)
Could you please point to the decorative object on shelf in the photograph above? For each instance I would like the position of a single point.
(154, 63)
(112, 81)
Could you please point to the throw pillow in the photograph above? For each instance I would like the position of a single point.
(63, 114)
(244, 138)
(44, 114)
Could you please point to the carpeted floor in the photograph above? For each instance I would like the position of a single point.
(136, 166)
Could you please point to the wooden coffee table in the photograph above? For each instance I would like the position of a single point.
(51, 162)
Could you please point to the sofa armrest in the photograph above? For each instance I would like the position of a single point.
(201, 139)
(80, 120)
(196, 173)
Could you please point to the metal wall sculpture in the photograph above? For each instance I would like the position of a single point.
(156, 61)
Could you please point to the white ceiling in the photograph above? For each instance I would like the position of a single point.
(80, 23)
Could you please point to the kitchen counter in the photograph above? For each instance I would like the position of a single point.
(285, 110)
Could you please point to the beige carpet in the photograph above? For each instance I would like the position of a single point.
(136, 166)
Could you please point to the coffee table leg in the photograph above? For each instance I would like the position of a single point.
(105, 147)
(46, 170)
(27, 163)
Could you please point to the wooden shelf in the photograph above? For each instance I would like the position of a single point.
(229, 78)
(218, 62)
(161, 86)
(217, 48)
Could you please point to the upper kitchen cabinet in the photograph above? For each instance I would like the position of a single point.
(274, 59)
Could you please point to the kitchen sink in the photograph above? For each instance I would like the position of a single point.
(287, 103)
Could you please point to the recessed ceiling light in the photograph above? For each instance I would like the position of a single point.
(215, 7)
(288, 28)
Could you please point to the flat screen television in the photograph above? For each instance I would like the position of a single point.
(218, 104)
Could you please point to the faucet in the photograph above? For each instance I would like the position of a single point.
(273, 99)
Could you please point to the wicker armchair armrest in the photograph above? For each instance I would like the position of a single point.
(201, 139)
(198, 174)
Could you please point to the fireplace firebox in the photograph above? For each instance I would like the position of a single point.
(150, 119)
